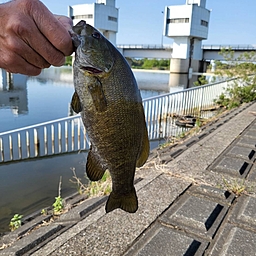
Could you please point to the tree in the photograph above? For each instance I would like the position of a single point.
(201, 81)
(243, 89)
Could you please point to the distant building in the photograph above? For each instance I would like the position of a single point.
(187, 25)
(102, 15)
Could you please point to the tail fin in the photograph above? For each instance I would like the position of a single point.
(128, 203)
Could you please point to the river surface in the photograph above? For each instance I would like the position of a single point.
(31, 185)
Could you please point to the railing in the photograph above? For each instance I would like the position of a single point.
(245, 47)
(161, 111)
(145, 46)
(68, 134)
(239, 47)
(49, 138)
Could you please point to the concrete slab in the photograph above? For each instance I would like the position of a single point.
(114, 232)
(232, 166)
(235, 241)
(245, 153)
(244, 213)
(212, 193)
(165, 241)
(247, 142)
(196, 214)
(22, 246)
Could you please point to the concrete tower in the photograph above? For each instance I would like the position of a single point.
(188, 26)
(102, 15)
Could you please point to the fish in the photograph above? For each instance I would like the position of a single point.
(108, 99)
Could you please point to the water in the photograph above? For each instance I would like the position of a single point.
(47, 96)
(31, 185)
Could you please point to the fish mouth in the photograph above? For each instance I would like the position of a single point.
(92, 70)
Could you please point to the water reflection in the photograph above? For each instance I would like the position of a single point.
(13, 93)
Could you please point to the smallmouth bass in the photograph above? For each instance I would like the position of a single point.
(107, 95)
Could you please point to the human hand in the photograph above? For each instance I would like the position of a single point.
(32, 38)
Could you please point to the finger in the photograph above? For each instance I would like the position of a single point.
(52, 28)
(40, 45)
(14, 63)
(19, 47)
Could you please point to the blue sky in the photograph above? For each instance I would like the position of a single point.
(141, 21)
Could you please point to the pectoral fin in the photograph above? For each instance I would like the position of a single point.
(98, 96)
(94, 166)
(75, 103)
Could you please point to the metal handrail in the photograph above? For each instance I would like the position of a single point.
(145, 46)
(68, 134)
(204, 47)
(233, 47)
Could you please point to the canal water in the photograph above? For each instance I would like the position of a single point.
(31, 185)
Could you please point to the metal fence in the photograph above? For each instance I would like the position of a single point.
(55, 137)
(68, 134)
(161, 111)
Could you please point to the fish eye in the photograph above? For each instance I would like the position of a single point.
(96, 35)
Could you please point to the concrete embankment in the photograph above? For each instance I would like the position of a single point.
(197, 198)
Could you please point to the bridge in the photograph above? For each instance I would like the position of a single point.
(210, 52)
(146, 51)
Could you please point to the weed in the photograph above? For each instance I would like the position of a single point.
(58, 205)
(198, 122)
(182, 135)
(75, 180)
(93, 188)
(102, 187)
(15, 222)
(235, 186)
(44, 212)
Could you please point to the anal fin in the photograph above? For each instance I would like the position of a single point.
(94, 167)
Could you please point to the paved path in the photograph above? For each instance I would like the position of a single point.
(185, 203)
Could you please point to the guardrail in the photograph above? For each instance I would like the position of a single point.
(145, 46)
(240, 47)
(233, 47)
(55, 137)
(161, 111)
(68, 134)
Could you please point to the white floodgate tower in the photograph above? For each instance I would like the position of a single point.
(102, 15)
(188, 26)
